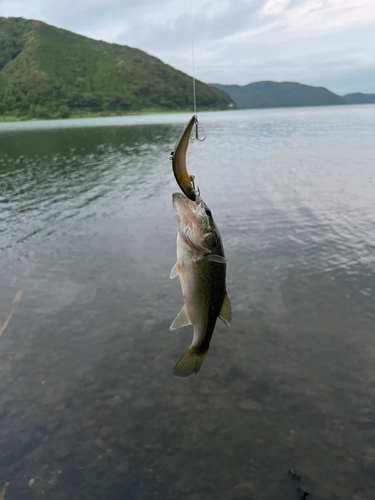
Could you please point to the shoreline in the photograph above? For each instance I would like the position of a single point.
(101, 114)
(153, 111)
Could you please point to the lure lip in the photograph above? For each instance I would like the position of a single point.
(183, 179)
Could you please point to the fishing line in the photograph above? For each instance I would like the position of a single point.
(192, 54)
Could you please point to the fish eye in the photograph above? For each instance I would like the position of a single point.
(208, 211)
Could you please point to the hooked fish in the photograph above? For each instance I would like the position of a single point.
(201, 265)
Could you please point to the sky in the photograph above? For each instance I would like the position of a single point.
(328, 43)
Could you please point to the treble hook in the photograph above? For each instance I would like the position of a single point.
(196, 138)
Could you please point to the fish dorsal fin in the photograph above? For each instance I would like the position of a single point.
(174, 271)
(215, 258)
(181, 320)
(226, 312)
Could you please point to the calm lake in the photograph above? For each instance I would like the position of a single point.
(89, 408)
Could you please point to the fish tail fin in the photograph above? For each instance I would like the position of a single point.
(190, 362)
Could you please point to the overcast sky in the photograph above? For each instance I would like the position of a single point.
(328, 43)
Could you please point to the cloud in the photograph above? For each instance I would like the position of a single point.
(275, 7)
(321, 42)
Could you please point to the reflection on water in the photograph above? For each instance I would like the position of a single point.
(45, 181)
(88, 405)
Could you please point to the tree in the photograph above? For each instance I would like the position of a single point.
(64, 111)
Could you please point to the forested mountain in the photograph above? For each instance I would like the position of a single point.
(274, 95)
(48, 71)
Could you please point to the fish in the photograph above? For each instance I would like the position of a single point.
(201, 266)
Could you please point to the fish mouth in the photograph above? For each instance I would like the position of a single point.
(180, 198)
(182, 205)
(188, 223)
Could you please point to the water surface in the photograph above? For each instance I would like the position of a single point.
(89, 408)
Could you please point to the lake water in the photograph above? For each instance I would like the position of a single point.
(89, 408)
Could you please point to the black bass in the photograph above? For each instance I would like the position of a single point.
(201, 267)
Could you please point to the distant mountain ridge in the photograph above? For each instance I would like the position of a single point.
(48, 71)
(359, 98)
(269, 94)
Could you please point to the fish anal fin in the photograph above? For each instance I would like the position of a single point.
(226, 312)
(215, 258)
(190, 362)
(182, 319)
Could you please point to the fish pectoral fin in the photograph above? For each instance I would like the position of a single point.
(215, 258)
(181, 320)
(174, 271)
(226, 312)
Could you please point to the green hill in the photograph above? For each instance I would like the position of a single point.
(359, 98)
(48, 71)
(275, 95)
